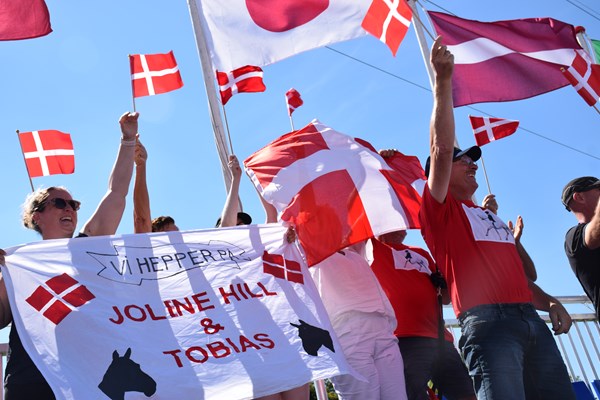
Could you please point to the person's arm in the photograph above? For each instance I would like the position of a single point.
(5, 314)
(528, 265)
(441, 128)
(560, 318)
(142, 219)
(230, 210)
(592, 230)
(107, 216)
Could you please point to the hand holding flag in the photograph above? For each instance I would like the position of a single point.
(488, 129)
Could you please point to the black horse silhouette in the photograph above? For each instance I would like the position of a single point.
(313, 338)
(125, 375)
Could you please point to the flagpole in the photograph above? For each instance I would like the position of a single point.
(211, 91)
(228, 134)
(487, 181)
(25, 161)
(419, 28)
(131, 77)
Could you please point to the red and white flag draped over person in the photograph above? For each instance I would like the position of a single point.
(523, 55)
(293, 100)
(24, 19)
(246, 79)
(154, 74)
(488, 129)
(283, 28)
(388, 21)
(212, 314)
(47, 152)
(336, 190)
(585, 77)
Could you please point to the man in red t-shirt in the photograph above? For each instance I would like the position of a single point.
(508, 349)
(405, 275)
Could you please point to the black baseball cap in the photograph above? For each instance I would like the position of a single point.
(242, 216)
(474, 152)
(578, 185)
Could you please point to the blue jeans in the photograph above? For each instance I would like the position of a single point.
(511, 355)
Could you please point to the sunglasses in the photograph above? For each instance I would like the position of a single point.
(61, 204)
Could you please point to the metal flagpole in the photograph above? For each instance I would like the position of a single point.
(25, 161)
(211, 91)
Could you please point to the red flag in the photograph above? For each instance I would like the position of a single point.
(24, 19)
(388, 20)
(154, 74)
(334, 188)
(245, 79)
(47, 152)
(293, 100)
(585, 77)
(505, 60)
(488, 129)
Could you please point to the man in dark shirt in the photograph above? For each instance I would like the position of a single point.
(582, 242)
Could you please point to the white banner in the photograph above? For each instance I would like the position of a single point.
(212, 314)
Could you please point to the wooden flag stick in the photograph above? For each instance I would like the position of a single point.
(227, 129)
(292, 123)
(131, 77)
(25, 161)
(596, 108)
(487, 181)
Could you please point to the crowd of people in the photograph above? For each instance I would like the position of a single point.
(384, 297)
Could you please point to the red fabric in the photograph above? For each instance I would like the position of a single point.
(47, 152)
(154, 74)
(24, 19)
(335, 189)
(387, 23)
(505, 60)
(245, 79)
(487, 129)
(410, 291)
(481, 267)
(585, 77)
(293, 100)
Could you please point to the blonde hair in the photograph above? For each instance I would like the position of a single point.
(36, 202)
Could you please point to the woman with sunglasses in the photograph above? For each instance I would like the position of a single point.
(52, 213)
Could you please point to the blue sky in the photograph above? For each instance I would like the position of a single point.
(77, 80)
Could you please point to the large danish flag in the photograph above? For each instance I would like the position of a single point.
(585, 77)
(388, 20)
(47, 152)
(61, 295)
(154, 74)
(335, 189)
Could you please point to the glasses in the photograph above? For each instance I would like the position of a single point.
(466, 160)
(60, 203)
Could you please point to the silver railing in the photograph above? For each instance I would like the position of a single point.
(579, 347)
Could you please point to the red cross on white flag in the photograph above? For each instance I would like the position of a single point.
(246, 79)
(47, 152)
(585, 77)
(335, 189)
(293, 100)
(488, 129)
(154, 74)
(388, 20)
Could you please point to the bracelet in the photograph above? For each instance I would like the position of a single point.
(128, 143)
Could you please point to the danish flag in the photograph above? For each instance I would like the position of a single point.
(336, 190)
(47, 152)
(279, 267)
(154, 74)
(388, 20)
(293, 100)
(245, 79)
(61, 295)
(487, 129)
(585, 77)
